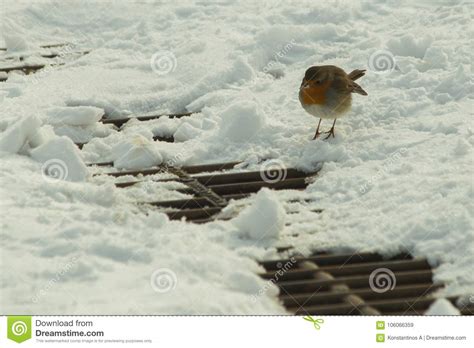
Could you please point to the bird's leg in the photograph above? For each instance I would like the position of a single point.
(331, 131)
(317, 130)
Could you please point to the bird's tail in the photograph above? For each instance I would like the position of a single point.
(358, 89)
(356, 74)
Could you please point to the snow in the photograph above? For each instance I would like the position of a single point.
(397, 176)
(241, 122)
(442, 307)
(61, 160)
(136, 153)
(16, 136)
(263, 219)
(74, 116)
(14, 37)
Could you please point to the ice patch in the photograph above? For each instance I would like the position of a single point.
(264, 219)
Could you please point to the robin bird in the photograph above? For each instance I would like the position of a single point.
(326, 92)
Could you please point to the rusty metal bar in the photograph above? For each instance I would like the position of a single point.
(349, 298)
(148, 171)
(164, 169)
(353, 269)
(303, 286)
(121, 121)
(249, 187)
(55, 45)
(195, 202)
(28, 68)
(198, 188)
(166, 139)
(191, 214)
(190, 203)
(235, 178)
(209, 167)
(334, 259)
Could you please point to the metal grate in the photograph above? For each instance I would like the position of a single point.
(26, 68)
(355, 284)
(119, 122)
(212, 192)
(30, 68)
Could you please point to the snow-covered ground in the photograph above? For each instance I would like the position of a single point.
(397, 177)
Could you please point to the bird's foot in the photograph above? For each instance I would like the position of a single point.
(316, 135)
(329, 133)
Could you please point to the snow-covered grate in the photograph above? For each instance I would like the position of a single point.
(25, 68)
(119, 122)
(355, 284)
(15, 62)
(211, 188)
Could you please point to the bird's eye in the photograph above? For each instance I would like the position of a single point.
(318, 82)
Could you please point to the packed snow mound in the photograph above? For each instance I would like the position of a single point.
(61, 160)
(442, 307)
(242, 121)
(264, 219)
(17, 135)
(74, 116)
(410, 45)
(139, 152)
(185, 132)
(14, 37)
(42, 136)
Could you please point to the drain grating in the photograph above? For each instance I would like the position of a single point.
(25, 68)
(119, 122)
(355, 284)
(212, 192)
(30, 68)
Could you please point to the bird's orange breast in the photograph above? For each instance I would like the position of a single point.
(315, 94)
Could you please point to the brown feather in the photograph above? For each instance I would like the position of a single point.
(358, 89)
(356, 74)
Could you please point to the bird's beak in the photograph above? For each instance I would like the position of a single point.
(304, 84)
